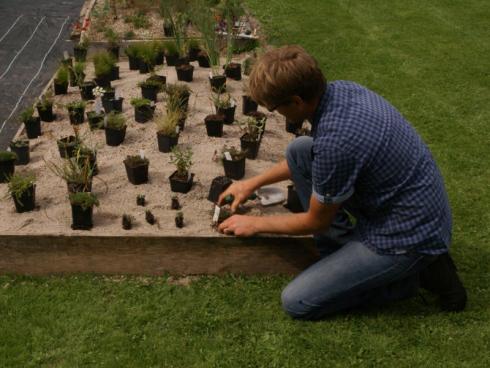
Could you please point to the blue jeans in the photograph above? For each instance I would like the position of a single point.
(349, 274)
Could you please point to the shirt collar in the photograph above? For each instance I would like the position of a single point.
(320, 109)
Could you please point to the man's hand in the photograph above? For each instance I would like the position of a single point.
(240, 190)
(239, 225)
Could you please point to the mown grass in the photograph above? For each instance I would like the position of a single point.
(432, 61)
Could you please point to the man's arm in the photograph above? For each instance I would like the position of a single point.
(317, 219)
(241, 190)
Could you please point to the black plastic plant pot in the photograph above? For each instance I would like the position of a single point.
(46, 114)
(149, 92)
(86, 91)
(218, 83)
(234, 71)
(292, 126)
(144, 113)
(23, 154)
(248, 105)
(33, 127)
(60, 88)
(293, 203)
(234, 169)
(134, 63)
(7, 169)
(193, 53)
(79, 187)
(218, 186)
(26, 201)
(81, 218)
(158, 78)
(114, 51)
(80, 54)
(117, 104)
(114, 137)
(114, 73)
(203, 60)
(172, 59)
(103, 81)
(143, 67)
(95, 121)
(76, 115)
(166, 143)
(67, 146)
(159, 58)
(250, 147)
(137, 174)
(178, 185)
(168, 31)
(228, 114)
(182, 61)
(214, 125)
(185, 72)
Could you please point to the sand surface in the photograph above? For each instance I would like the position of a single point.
(116, 194)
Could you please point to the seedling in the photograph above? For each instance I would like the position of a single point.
(127, 221)
(175, 203)
(150, 218)
(140, 200)
(179, 219)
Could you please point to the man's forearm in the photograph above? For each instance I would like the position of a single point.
(293, 224)
(275, 174)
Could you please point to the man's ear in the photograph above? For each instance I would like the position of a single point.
(298, 101)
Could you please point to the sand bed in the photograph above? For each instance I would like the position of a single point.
(116, 194)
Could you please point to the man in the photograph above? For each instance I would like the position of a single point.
(365, 162)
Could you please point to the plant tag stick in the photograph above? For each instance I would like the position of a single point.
(98, 106)
(217, 210)
(66, 56)
(116, 95)
(142, 154)
(228, 156)
(177, 129)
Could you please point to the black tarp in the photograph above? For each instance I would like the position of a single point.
(31, 32)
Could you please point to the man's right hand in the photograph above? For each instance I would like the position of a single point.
(240, 190)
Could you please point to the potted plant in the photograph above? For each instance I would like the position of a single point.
(77, 74)
(259, 116)
(233, 162)
(181, 180)
(147, 58)
(103, 68)
(76, 112)
(231, 12)
(225, 106)
(95, 119)
(22, 190)
(150, 218)
(175, 204)
(82, 204)
(127, 221)
(143, 109)
(113, 42)
(185, 72)
(67, 146)
(252, 133)
(150, 88)
(76, 173)
(193, 49)
(86, 90)
(203, 59)
(61, 81)
(160, 79)
(218, 186)
(137, 169)
(87, 156)
(178, 95)
(32, 123)
(140, 200)
(214, 125)
(132, 52)
(45, 108)
(80, 50)
(111, 101)
(21, 148)
(179, 219)
(171, 53)
(168, 130)
(179, 21)
(7, 165)
(115, 128)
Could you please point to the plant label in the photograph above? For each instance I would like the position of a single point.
(142, 154)
(98, 106)
(177, 129)
(116, 95)
(66, 56)
(228, 156)
(217, 210)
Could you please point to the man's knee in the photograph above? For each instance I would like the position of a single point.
(295, 305)
(299, 150)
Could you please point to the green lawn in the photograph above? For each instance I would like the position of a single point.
(432, 61)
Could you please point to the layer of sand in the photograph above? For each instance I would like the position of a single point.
(53, 215)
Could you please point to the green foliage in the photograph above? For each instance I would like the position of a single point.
(222, 100)
(115, 121)
(171, 48)
(7, 156)
(103, 63)
(182, 159)
(252, 127)
(26, 114)
(136, 160)
(75, 105)
(62, 75)
(19, 143)
(46, 101)
(148, 53)
(72, 170)
(18, 184)
(133, 50)
(139, 102)
(167, 124)
(83, 199)
(129, 35)
(148, 83)
(111, 36)
(176, 96)
(235, 153)
(193, 43)
(139, 20)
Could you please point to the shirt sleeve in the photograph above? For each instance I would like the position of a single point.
(334, 173)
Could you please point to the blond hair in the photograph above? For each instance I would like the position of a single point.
(285, 72)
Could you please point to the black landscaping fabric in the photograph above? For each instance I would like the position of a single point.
(54, 17)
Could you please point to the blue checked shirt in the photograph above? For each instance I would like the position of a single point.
(368, 157)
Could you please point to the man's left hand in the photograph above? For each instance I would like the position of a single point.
(239, 225)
